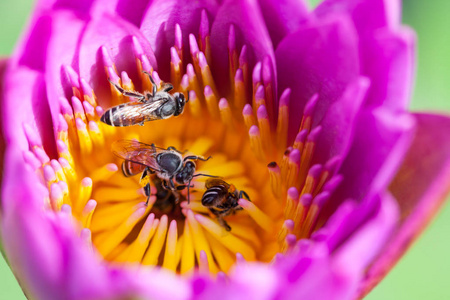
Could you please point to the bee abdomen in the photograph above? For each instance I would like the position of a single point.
(210, 195)
(110, 117)
(127, 168)
(115, 117)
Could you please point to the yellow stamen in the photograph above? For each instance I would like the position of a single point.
(104, 173)
(140, 244)
(97, 137)
(188, 254)
(170, 261)
(83, 137)
(256, 143)
(239, 90)
(175, 67)
(231, 242)
(156, 244)
(88, 211)
(194, 104)
(114, 239)
(84, 194)
(225, 112)
(275, 179)
(257, 215)
(200, 242)
(211, 102)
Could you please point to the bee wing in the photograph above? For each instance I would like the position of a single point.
(137, 112)
(216, 182)
(137, 152)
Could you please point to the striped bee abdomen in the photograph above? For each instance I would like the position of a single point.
(130, 169)
(122, 115)
(211, 195)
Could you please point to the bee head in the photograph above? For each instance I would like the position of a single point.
(186, 173)
(180, 102)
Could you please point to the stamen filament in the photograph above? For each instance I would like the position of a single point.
(140, 244)
(170, 261)
(156, 244)
(257, 215)
(114, 238)
(200, 242)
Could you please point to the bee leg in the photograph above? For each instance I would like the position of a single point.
(223, 223)
(167, 87)
(152, 81)
(173, 148)
(136, 95)
(147, 191)
(242, 193)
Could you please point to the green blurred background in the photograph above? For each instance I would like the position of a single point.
(423, 271)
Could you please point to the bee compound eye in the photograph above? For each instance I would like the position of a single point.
(180, 100)
(180, 178)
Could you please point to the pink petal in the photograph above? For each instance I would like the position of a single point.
(132, 11)
(29, 86)
(387, 50)
(388, 59)
(338, 124)
(381, 140)
(368, 15)
(322, 57)
(421, 186)
(61, 50)
(283, 17)
(336, 275)
(31, 245)
(3, 63)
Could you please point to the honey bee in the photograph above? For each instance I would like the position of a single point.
(222, 199)
(169, 165)
(150, 106)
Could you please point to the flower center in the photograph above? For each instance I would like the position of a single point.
(111, 209)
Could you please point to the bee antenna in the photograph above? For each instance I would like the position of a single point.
(189, 195)
(187, 96)
(206, 175)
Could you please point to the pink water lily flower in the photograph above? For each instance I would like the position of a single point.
(305, 111)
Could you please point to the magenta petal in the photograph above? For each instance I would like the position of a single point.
(420, 187)
(3, 63)
(323, 58)
(154, 284)
(85, 276)
(389, 61)
(28, 86)
(336, 275)
(338, 124)
(132, 11)
(250, 29)
(81, 6)
(61, 50)
(368, 15)
(31, 245)
(245, 281)
(380, 143)
(283, 17)
(116, 35)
